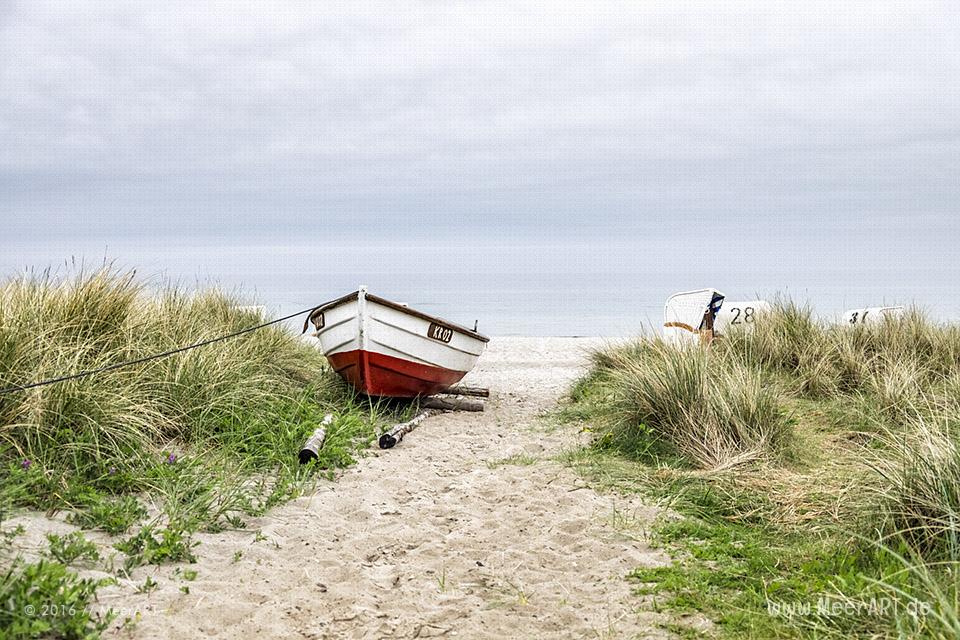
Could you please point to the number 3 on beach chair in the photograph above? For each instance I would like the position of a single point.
(872, 315)
(688, 317)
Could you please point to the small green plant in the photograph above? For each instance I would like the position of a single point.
(519, 591)
(189, 575)
(72, 547)
(237, 555)
(148, 585)
(7, 536)
(130, 622)
(172, 544)
(442, 580)
(113, 515)
(46, 600)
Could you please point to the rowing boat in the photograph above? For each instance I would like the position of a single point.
(384, 348)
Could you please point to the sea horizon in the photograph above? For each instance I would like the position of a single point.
(521, 285)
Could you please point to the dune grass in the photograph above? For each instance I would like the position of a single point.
(707, 407)
(917, 469)
(156, 451)
(815, 467)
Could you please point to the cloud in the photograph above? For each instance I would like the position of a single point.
(407, 105)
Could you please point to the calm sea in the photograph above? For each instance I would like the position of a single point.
(530, 283)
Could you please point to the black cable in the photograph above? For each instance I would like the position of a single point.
(119, 365)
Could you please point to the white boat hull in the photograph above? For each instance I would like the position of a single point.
(386, 349)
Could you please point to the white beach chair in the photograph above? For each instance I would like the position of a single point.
(740, 314)
(871, 315)
(688, 313)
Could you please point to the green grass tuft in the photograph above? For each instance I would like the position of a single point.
(704, 406)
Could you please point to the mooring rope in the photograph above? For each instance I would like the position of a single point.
(156, 356)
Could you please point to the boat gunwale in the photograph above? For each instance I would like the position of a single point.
(398, 307)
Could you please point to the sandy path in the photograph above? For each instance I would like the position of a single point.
(432, 538)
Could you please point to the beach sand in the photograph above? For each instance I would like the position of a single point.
(444, 535)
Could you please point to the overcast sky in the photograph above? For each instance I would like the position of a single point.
(186, 115)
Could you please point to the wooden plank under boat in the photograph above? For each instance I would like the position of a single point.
(384, 348)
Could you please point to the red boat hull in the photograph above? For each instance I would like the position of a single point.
(376, 374)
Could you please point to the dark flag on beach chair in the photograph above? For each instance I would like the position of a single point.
(715, 303)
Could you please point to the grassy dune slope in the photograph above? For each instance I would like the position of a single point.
(203, 438)
(816, 469)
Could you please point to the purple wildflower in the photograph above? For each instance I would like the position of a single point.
(172, 458)
(112, 471)
(26, 464)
